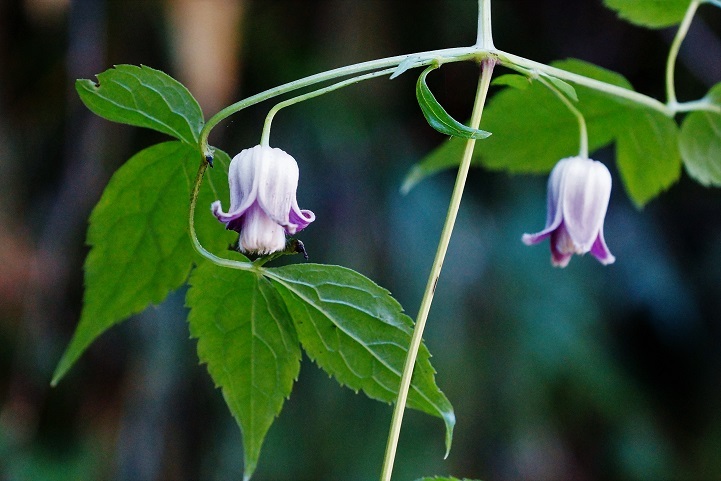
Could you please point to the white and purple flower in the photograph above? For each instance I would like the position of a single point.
(263, 207)
(578, 193)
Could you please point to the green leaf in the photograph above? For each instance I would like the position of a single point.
(532, 129)
(650, 13)
(647, 154)
(700, 145)
(144, 97)
(512, 80)
(566, 88)
(358, 333)
(437, 117)
(139, 244)
(246, 338)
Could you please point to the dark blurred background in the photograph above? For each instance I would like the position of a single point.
(586, 373)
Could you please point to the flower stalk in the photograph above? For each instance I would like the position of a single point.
(399, 408)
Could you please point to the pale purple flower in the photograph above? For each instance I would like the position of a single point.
(578, 194)
(263, 207)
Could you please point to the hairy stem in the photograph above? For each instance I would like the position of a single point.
(484, 37)
(398, 410)
(673, 53)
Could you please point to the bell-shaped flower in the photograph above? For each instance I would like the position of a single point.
(578, 193)
(263, 208)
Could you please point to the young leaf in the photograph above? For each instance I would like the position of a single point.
(139, 244)
(533, 129)
(650, 13)
(647, 154)
(437, 117)
(246, 338)
(144, 97)
(566, 88)
(700, 145)
(358, 333)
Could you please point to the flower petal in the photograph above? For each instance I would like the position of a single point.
(243, 182)
(278, 182)
(554, 210)
(585, 194)
(259, 234)
(600, 250)
(560, 257)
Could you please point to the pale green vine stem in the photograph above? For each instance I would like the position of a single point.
(673, 54)
(246, 266)
(484, 38)
(583, 131)
(397, 419)
(265, 137)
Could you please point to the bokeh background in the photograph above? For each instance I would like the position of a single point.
(586, 373)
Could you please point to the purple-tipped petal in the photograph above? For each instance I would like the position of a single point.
(263, 207)
(600, 250)
(559, 257)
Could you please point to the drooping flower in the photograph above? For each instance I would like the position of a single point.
(263, 207)
(578, 193)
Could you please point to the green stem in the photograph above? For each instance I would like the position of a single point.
(673, 54)
(512, 61)
(265, 137)
(246, 266)
(484, 38)
(423, 58)
(398, 410)
(583, 131)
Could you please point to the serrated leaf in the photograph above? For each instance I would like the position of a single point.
(246, 338)
(144, 97)
(532, 129)
(647, 154)
(650, 13)
(512, 80)
(139, 244)
(700, 145)
(358, 333)
(436, 115)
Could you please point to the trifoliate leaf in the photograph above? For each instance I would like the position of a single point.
(358, 333)
(650, 13)
(144, 97)
(247, 339)
(139, 244)
(436, 115)
(700, 145)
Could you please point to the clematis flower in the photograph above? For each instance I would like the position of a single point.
(263, 208)
(578, 194)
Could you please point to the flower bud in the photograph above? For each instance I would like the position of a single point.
(263, 207)
(578, 193)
